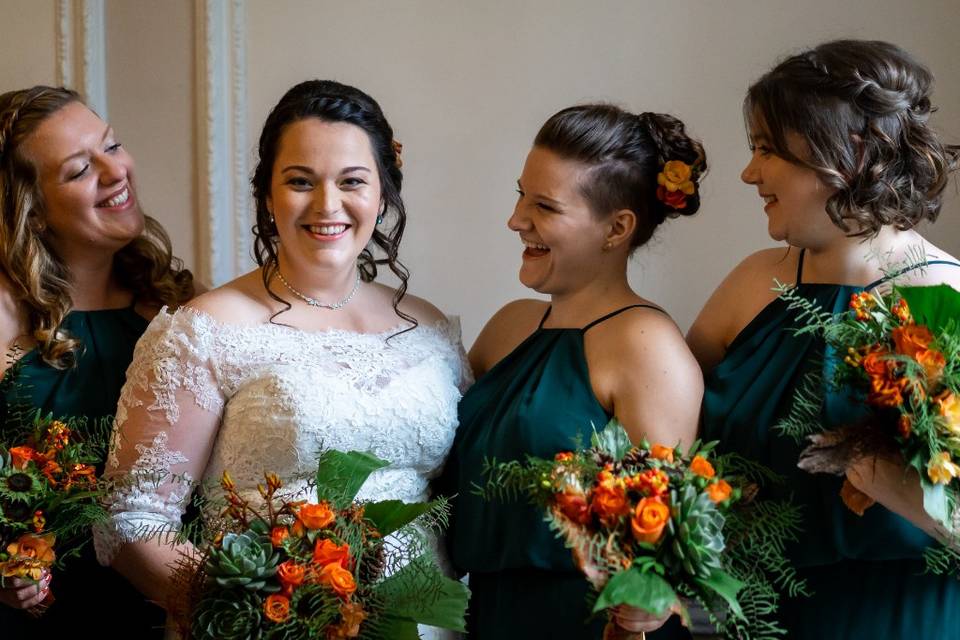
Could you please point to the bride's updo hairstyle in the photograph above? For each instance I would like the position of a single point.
(645, 163)
(331, 101)
(862, 108)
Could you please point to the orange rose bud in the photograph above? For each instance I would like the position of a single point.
(660, 452)
(327, 551)
(649, 519)
(20, 456)
(609, 499)
(719, 490)
(701, 467)
(563, 456)
(278, 535)
(910, 339)
(291, 574)
(316, 516)
(338, 578)
(277, 607)
(573, 504)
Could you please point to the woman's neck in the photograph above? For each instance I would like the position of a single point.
(94, 284)
(859, 261)
(580, 306)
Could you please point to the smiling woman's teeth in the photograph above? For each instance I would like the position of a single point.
(535, 245)
(327, 229)
(117, 200)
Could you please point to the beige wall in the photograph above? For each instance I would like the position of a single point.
(467, 84)
(28, 43)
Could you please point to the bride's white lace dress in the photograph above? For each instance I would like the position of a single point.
(203, 396)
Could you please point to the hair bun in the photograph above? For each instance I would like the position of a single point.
(682, 163)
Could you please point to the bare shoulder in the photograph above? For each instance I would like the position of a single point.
(942, 269)
(508, 327)
(239, 301)
(415, 306)
(638, 336)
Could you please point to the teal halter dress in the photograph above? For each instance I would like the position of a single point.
(90, 600)
(865, 572)
(536, 401)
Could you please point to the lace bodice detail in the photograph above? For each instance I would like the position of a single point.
(202, 397)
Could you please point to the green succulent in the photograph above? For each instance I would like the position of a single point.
(697, 532)
(244, 560)
(20, 485)
(228, 615)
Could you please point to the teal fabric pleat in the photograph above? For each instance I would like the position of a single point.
(536, 401)
(91, 600)
(865, 572)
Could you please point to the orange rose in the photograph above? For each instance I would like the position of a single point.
(291, 575)
(277, 607)
(719, 490)
(877, 364)
(701, 467)
(933, 363)
(278, 535)
(652, 482)
(573, 504)
(910, 339)
(20, 456)
(339, 579)
(886, 393)
(316, 516)
(660, 452)
(609, 498)
(29, 555)
(649, 519)
(563, 456)
(327, 551)
(676, 199)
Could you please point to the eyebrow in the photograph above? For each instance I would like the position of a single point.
(106, 134)
(306, 169)
(542, 197)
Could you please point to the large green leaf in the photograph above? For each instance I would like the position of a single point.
(725, 586)
(420, 592)
(932, 306)
(340, 475)
(389, 515)
(935, 501)
(390, 627)
(613, 440)
(641, 589)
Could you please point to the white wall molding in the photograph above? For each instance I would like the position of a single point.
(224, 219)
(82, 51)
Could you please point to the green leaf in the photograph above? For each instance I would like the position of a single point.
(935, 501)
(420, 592)
(390, 627)
(613, 440)
(340, 475)
(725, 586)
(932, 306)
(643, 590)
(389, 515)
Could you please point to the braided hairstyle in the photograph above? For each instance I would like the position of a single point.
(625, 153)
(331, 101)
(862, 108)
(40, 279)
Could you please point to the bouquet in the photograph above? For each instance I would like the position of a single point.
(284, 568)
(648, 524)
(48, 499)
(900, 357)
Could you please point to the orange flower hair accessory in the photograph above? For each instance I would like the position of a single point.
(675, 184)
(397, 150)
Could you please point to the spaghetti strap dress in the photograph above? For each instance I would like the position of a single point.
(89, 600)
(865, 573)
(537, 401)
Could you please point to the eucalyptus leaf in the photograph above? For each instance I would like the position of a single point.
(935, 501)
(933, 306)
(641, 589)
(389, 515)
(340, 475)
(613, 440)
(725, 586)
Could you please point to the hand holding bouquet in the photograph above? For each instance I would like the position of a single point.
(648, 524)
(335, 568)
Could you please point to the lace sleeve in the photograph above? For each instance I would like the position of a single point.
(167, 420)
(458, 359)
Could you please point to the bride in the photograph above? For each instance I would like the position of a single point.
(305, 352)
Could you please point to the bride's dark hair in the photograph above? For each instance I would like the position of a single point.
(331, 101)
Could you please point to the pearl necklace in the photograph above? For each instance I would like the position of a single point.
(313, 302)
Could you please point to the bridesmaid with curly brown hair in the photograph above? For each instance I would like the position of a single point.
(847, 166)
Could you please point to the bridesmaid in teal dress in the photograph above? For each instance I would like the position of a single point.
(82, 272)
(548, 373)
(846, 165)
